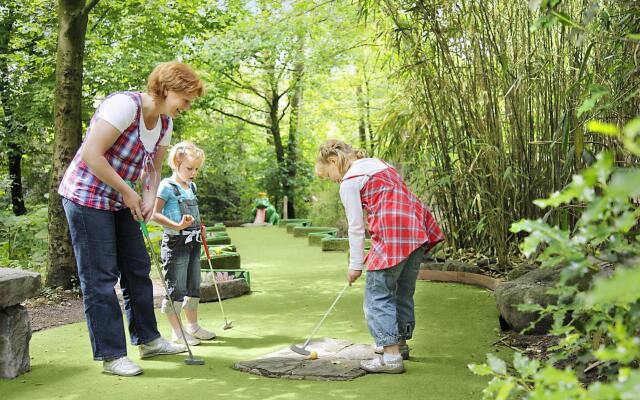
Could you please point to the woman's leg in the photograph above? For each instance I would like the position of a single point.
(137, 289)
(93, 235)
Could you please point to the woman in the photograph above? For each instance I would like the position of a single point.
(126, 140)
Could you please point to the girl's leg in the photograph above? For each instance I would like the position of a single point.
(137, 289)
(404, 294)
(174, 258)
(192, 299)
(93, 236)
(380, 306)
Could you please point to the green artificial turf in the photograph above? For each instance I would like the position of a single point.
(292, 286)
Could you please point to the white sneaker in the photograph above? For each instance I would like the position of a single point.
(201, 333)
(122, 366)
(378, 365)
(404, 350)
(160, 346)
(177, 338)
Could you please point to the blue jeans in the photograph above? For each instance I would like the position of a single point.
(109, 245)
(181, 262)
(388, 300)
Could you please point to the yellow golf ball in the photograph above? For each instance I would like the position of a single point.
(313, 355)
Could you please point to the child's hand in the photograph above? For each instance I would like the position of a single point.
(353, 275)
(186, 221)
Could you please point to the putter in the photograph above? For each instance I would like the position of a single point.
(145, 232)
(203, 233)
(302, 350)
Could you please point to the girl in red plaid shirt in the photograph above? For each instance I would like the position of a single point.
(402, 229)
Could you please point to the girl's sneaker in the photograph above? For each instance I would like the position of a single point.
(404, 351)
(192, 341)
(201, 333)
(160, 346)
(378, 365)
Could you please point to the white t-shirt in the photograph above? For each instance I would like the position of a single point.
(120, 110)
(350, 196)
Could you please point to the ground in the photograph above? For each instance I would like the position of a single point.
(292, 286)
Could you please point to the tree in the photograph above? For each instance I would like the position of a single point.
(73, 16)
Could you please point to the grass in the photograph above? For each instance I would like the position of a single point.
(293, 284)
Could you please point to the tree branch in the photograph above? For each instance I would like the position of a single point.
(241, 118)
(87, 8)
(243, 104)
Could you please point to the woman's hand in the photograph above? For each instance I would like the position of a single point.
(353, 275)
(185, 222)
(133, 202)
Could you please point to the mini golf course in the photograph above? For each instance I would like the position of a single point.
(292, 285)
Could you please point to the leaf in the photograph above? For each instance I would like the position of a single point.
(603, 128)
(496, 364)
(621, 288)
(480, 369)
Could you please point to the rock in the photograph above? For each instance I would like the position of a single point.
(228, 289)
(338, 360)
(530, 288)
(15, 334)
(520, 270)
(459, 266)
(17, 285)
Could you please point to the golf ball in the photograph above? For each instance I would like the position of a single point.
(313, 355)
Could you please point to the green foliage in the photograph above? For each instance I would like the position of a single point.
(327, 208)
(23, 239)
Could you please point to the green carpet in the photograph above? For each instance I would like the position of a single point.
(293, 284)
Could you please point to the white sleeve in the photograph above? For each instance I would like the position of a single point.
(119, 110)
(350, 196)
(166, 140)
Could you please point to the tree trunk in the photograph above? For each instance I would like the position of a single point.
(12, 128)
(362, 130)
(294, 126)
(72, 20)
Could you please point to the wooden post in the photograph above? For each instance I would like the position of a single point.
(285, 206)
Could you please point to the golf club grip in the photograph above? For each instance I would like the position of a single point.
(203, 233)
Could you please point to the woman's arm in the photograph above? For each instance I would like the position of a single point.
(149, 194)
(103, 136)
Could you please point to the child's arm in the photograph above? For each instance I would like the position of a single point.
(350, 196)
(166, 222)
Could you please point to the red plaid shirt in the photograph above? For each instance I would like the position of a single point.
(398, 221)
(127, 156)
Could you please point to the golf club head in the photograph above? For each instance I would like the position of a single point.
(299, 350)
(227, 325)
(193, 361)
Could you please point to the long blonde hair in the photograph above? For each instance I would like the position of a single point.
(344, 154)
(183, 150)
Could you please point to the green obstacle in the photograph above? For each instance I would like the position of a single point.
(315, 238)
(303, 231)
(300, 221)
(220, 259)
(218, 238)
(339, 244)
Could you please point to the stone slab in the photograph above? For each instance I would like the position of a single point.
(338, 360)
(228, 289)
(17, 285)
(15, 334)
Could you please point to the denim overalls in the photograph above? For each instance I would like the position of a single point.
(181, 253)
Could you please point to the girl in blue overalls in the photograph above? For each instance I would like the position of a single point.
(176, 209)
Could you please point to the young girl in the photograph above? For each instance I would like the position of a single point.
(128, 135)
(176, 209)
(402, 230)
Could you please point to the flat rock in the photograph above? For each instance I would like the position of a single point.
(228, 289)
(17, 285)
(338, 360)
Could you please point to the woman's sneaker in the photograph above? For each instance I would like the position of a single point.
(378, 365)
(122, 366)
(201, 333)
(160, 346)
(192, 341)
(404, 351)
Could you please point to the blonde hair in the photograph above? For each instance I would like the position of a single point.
(174, 76)
(182, 151)
(344, 153)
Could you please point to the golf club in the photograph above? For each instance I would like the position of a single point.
(203, 233)
(302, 350)
(145, 232)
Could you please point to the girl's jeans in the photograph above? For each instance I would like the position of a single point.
(109, 245)
(181, 262)
(388, 300)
